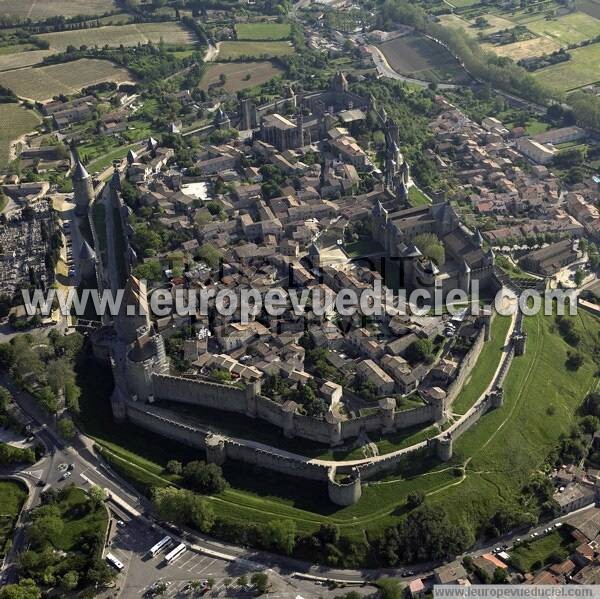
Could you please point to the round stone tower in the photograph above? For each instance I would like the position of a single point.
(387, 407)
(344, 488)
(335, 427)
(215, 449)
(439, 408)
(83, 189)
(444, 448)
(146, 357)
(87, 262)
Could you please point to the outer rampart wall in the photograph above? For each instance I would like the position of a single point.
(466, 366)
(163, 423)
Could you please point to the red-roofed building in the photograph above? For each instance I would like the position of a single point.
(545, 578)
(416, 587)
(494, 560)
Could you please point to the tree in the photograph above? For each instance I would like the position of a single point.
(69, 581)
(97, 495)
(280, 535)
(210, 254)
(261, 581)
(67, 429)
(7, 356)
(24, 589)
(183, 507)
(43, 529)
(426, 534)
(202, 515)
(415, 499)
(203, 477)
(574, 361)
(570, 157)
(419, 351)
(500, 576)
(150, 271)
(58, 372)
(172, 504)
(592, 404)
(579, 276)
(174, 467)
(328, 534)
(431, 247)
(100, 573)
(389, 588)
(47, 399)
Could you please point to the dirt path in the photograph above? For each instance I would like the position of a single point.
(212, 52)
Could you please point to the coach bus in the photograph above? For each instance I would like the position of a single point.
(114, 562)
(175, 553)
(162, 544)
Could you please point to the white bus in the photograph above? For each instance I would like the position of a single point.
(175, 553)
(114, 562)
(162, 544)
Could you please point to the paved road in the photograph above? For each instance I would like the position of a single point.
(88, 469)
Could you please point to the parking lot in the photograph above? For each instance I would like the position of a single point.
(131, 541)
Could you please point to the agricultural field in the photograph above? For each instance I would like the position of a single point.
(38, 10)
(43, 83)
(18, 60)
(14, 122)
(567, 29)
(525, 48)
(263, 31)
(235, 50)
(417, 56)
(12, 497)
(581, 70)
(551, 35)
(495, 23)
(463, 3)
(240, 75)
(115, 35)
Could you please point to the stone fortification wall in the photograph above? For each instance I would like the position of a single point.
(313, 429)
(279, 462)
(420, 415)
(202, 393)
(466, 366)
(153, 420)
(167, 425)
(393, 462)
(246, 401)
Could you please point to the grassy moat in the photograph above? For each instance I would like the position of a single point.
(491, 462)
